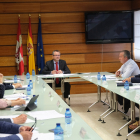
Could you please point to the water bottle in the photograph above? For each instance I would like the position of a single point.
(68, 117)
(103, 78)
(33, 72)
(15, 79)
(31, 84)
(58, 132)
(28, 90)
(35, 100)
(33, 75)
(27, 75)
(126, 85)
(98, 76)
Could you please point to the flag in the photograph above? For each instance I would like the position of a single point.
(40, 51)
(30, 50)
(19, 51)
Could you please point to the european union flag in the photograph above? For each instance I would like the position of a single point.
(40, 51)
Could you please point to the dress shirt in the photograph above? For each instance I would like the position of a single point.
(129, 68)
(55, 66)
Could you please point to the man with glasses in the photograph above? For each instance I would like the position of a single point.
(58, 66)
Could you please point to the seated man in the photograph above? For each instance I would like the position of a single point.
(134, 79)
(20, 132)
(57, 66)
(129, 68)
(18, 120)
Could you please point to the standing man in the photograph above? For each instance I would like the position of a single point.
(129, 67)
(58, 66)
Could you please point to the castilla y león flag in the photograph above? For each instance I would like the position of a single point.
(19, 51)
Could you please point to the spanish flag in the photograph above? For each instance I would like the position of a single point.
(30, 50)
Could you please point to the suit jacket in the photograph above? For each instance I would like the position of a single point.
(9, 128)
(50, 67)
(2, 89)
(6, 120)
(135, 80)
(8, 86)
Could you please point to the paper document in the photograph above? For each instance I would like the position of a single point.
(134, 87)
(10, 81)
(42, 115)
(15, 96)
(14, 116)
(42, 136)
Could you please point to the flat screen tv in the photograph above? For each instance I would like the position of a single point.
(109, 27)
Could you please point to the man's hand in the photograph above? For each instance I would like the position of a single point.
(24, 128)
(117, 73)
(1, 78)
(27, 135)
(127, 79)
(54, 72)
(20, 102)
(20, 119)
(17, 85)
(59, 72)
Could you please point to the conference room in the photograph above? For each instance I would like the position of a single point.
(87, 46)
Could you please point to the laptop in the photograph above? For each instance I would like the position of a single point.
(30, 106)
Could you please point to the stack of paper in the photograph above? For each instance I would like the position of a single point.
(42, 115)
(42, 136)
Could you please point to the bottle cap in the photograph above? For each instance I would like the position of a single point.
(98, 72)
(34, 95)
(58, 124)
(30, 80)
(28, 85)
(67, 109)
(103, 75)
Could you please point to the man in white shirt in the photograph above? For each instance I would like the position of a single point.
(129, 67)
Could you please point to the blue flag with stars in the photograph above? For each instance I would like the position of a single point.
(40, 51)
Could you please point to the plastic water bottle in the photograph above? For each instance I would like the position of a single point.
(33, 72)
(68, 117)
(28, 90)
(15, 79)
(35, 100)
(103, 78)
(31, 84)
(126, 85)
(98, 76)
(27, 75)
(58, 132)
(33, 75)
(68, 121)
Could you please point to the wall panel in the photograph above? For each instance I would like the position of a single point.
(63, 28)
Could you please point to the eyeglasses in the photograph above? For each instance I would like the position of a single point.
(56, 55)
(34, 125)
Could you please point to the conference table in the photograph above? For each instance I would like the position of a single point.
(49, 100)
(133, 94)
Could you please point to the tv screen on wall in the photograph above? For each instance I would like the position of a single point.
(109, 27)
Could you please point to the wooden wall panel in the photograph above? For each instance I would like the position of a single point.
(55, 0)
(19, 7)
(81, 88)
(45, 18)
(85, 6)
(46, 28)
(63, 28)
(135, 4)
(70, 48)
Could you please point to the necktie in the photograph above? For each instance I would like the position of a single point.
(57, 79)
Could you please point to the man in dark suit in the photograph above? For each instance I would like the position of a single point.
(57, 66)
(19, 132)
